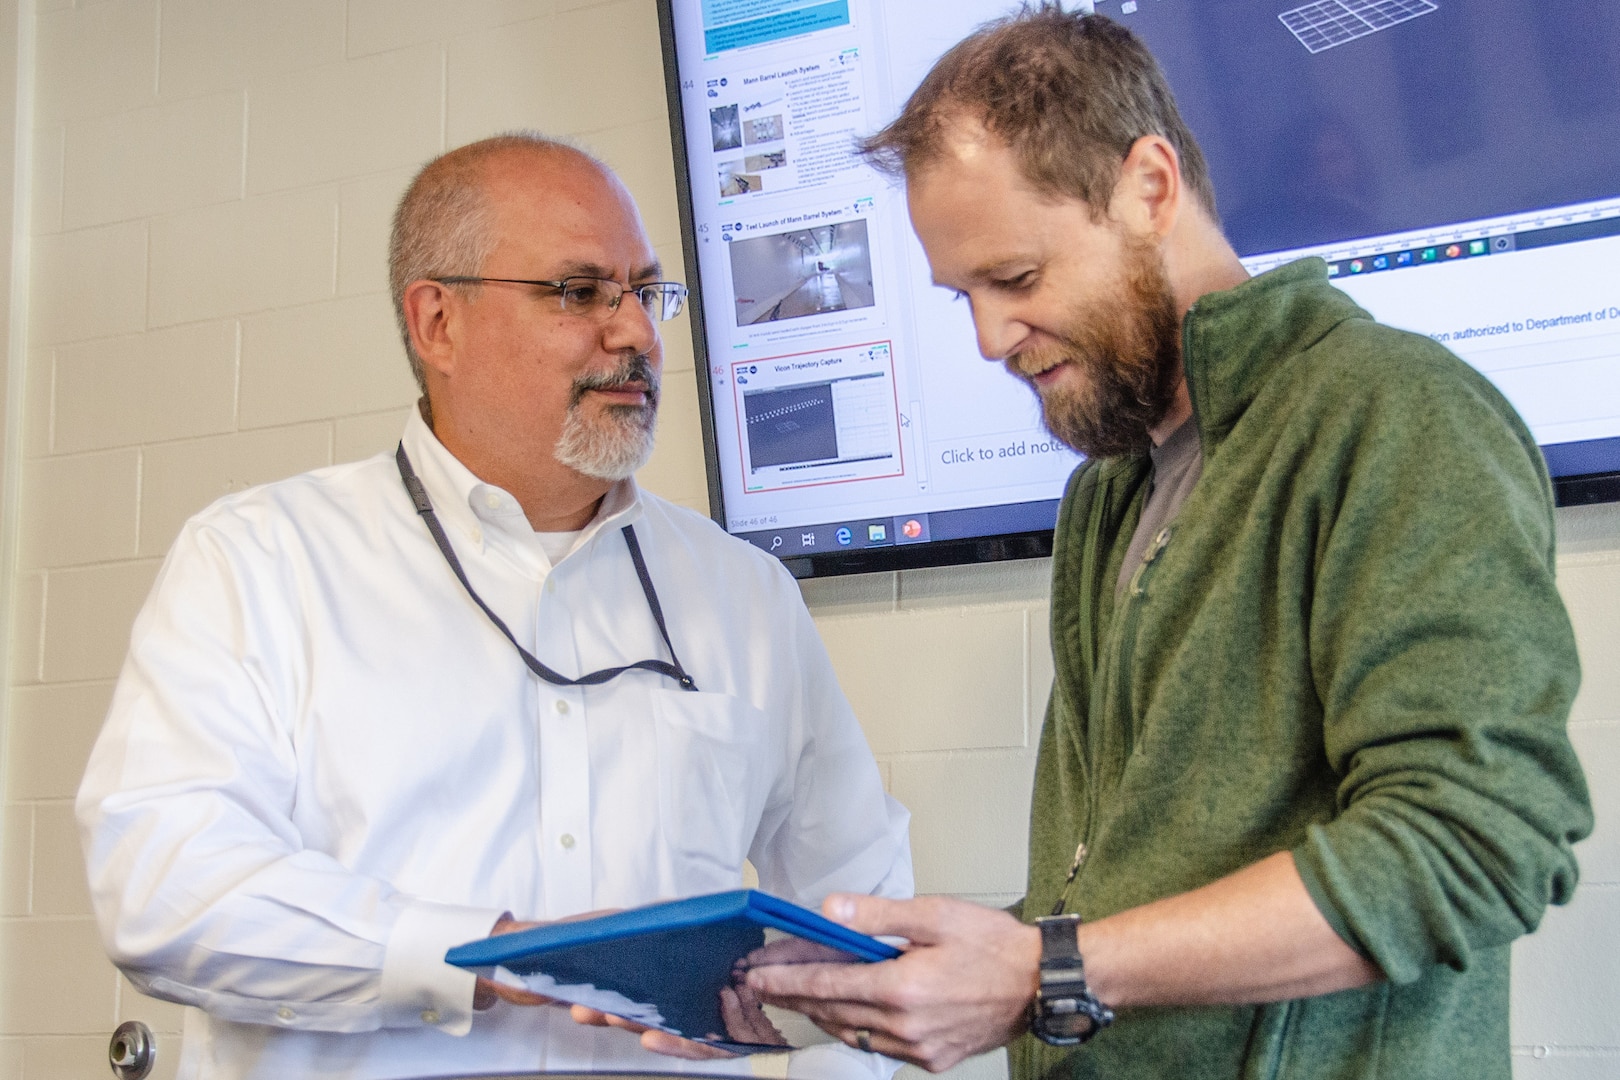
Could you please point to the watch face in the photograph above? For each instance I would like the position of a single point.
(1073, 1025)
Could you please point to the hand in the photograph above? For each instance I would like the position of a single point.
(745, 1021)
(963, 986)
(486, 992)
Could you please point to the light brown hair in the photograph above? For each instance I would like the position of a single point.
(1070, 94)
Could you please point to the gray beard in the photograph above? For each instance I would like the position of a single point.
(621, 440)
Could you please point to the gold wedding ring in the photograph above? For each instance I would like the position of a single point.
(863, 1039)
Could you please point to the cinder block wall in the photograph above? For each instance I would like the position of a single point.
(209, 197)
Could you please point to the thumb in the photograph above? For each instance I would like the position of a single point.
(917, 920)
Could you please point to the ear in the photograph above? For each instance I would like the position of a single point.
(1148, 196)
(430, 310)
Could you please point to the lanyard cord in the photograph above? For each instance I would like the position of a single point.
(424, 507)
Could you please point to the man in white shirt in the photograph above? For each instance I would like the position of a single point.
(324, 764)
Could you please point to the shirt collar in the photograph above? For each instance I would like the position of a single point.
(470, 506)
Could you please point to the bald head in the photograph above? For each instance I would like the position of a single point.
(446, 223)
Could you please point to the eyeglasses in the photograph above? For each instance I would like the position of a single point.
(595, 297)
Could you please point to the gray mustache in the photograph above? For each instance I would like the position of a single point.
(634, 369)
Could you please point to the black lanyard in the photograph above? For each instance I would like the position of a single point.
(424, 507)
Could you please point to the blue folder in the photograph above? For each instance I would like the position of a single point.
(664, 965)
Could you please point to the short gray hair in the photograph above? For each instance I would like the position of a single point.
(444, 225)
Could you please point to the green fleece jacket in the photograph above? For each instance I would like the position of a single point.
(1348, 645)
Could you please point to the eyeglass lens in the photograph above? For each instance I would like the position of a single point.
(661, 300)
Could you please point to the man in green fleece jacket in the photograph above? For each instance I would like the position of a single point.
(1304, 771)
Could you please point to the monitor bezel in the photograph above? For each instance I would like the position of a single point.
(1578, 490)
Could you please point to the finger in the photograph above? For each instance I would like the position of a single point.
(883, 1043)
(517, 995)
(745, 1019)
(484, 995)
(584, 1014)
(597, 914)
(512, 926)
(662, 1042)
(919, 921)
(820, 982)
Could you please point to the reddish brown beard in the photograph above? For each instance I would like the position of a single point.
(1129, 357)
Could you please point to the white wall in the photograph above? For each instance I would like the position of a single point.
(209, 198)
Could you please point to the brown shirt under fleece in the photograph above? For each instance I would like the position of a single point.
(1177, 464)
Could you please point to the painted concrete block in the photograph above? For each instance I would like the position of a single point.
(59, 881)
(87, 65)
(1599, 748)
(365, 216)
(1566, 984)
(853, 594)
(153, 161)
(336, 358)
(52, 730)
(640, 153)
(1015, 581)
(55, 980)
(359, 437)
(89, 283)
(85, 508)
(969, 819)
(88, 613)
(942, 682)
(1589, 584)
(1546, 1063)
(16, 858)
(345, 120)
(174, 383)
(529, 74)
(381, 25)
(163, 1017)
(180, 478)
(240, 257)
(211, 45)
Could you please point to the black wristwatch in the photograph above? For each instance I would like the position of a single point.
(1066, 1012)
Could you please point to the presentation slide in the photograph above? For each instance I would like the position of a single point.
(1453, 161)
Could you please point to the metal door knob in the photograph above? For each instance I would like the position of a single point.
(132, 1051)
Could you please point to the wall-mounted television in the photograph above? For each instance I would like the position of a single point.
(1455, 162)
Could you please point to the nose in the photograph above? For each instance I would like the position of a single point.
(1000, 334)
(629, 327)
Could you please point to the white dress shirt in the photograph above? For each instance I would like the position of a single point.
(324, 766)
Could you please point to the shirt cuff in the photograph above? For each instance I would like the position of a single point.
(418, 988)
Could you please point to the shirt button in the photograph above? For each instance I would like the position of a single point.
(493, 501)
(478, 536)
(551, 585)
(562, 707)
(567, 840)
(285, 1013)
(430, 1016)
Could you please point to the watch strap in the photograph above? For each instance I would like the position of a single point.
(1065, 1011)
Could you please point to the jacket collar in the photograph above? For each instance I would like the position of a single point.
(1234, 340)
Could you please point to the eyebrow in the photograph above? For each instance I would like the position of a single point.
(650, 272)
(992, 271)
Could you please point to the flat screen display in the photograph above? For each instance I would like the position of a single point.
(1455, 162)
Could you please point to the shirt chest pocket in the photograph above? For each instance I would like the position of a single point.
(711, 776)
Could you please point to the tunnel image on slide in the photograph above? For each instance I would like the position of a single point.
(803, 272)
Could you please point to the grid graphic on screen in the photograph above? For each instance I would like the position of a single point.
(1327, 23)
